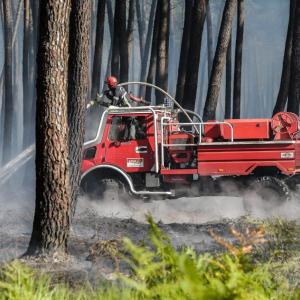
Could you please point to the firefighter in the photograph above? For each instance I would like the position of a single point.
(117, 96)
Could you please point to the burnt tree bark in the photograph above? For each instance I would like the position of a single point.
(97, 63)
(219, 61)
(80, 23)
(52, 216)
(286, 67)
(236, 107)
(163, 49)
(184, 51)
(153, 56)
(294, 89)
(8, 80)
(228, 82)
(190, 88)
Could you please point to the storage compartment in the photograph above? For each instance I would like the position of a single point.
(251, 129)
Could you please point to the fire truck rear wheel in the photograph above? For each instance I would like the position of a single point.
(266, 193)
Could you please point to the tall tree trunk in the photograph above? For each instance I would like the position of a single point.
(80, 23)
(141, 26)
(8, 80)
(163, 49)
(286, 67)
(110, 15)
(219, 61)
(185, 45)
(153, 56)
(210, 50)
(145, 57)
(97, 64)
(130, 27)
(33, 55)
(27, 84)
(123, 45)
(236, 109)
(115, 59)
(294, 90)
(228, 82)
(52, 216)
(190, 89)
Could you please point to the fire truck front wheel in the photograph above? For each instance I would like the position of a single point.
(266, 193)
(102, 188)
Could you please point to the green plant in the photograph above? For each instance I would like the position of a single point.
(159, 271)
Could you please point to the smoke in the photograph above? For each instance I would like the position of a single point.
(193, 209)
(10, 169)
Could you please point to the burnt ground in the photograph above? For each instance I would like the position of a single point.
(187, 222)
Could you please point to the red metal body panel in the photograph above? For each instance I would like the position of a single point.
(242, 159)
(244, 129)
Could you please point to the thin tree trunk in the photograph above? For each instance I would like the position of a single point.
(190, 89)
(210, 50)
(141, 26)
(8, 80)
(145, 57)
(33, 55)
(294, 90)
(80, 23)
(115, 59)
(130, 25)
(153, 56)
(97, 64)
(14, 35)
(228, 82)
(286, 67)
(123, 45)
(236, 109)
(27, 85)
(163, 49)
(110, 15)
(51, 225)
(184, 52)
(219, 60)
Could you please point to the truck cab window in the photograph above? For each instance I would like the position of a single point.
(127, 128)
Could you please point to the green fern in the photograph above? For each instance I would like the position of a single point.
(159, 271)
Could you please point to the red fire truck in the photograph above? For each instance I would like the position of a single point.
(149, 151)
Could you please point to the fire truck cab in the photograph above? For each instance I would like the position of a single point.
(148, 151)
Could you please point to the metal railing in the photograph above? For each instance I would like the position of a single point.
(200, 124)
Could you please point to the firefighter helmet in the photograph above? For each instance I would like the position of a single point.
(111, 81)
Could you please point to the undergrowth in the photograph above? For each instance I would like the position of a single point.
(159, 271)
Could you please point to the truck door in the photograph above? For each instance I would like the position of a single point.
(128, 145)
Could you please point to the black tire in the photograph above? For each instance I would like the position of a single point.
(102, 188)
(269, 193)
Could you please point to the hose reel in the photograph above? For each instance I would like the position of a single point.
(285, 125)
